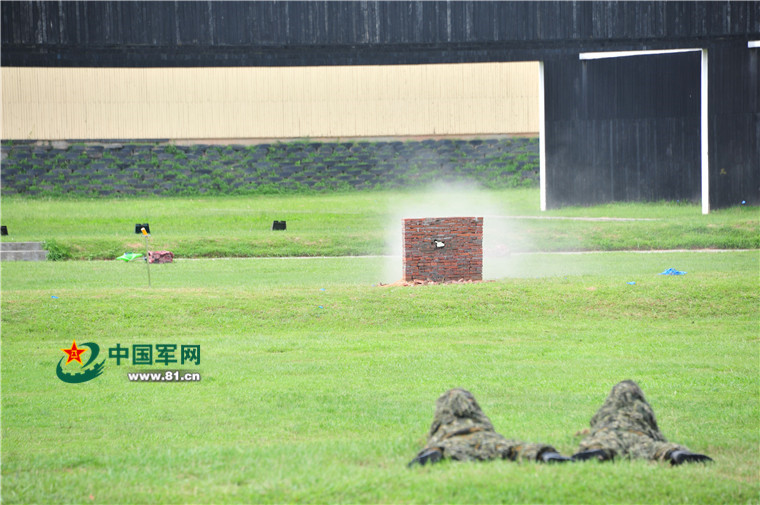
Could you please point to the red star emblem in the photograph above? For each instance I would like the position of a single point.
(74, 353)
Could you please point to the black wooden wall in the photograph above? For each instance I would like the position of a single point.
(734, 96)
(622, 129)
(628, 129)
(212, 33)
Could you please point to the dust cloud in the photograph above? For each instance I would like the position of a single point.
(500, 231)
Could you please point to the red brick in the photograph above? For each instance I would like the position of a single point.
(460, 258)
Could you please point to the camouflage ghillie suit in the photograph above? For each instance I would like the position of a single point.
(461, 431)
(625, 426)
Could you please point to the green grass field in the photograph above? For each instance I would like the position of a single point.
(318, 384)
(362, 223)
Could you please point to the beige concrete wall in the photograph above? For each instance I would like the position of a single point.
(277, 102)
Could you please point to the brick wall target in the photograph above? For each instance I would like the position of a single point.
(443, 249)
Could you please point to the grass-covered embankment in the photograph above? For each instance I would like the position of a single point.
(362, 223)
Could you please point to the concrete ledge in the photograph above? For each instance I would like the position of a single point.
(22, 251)
(20, 246)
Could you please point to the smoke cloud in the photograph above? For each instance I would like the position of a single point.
(500, 232)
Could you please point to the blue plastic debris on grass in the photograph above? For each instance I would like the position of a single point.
(672, 271)
(632, 283)
(54, 297)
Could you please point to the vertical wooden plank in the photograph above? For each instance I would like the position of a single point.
(704, 129)
(541, 136)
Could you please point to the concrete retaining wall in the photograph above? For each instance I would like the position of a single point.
(114, 169)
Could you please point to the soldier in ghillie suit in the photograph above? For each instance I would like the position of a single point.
(625, 426)
(462, 432)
